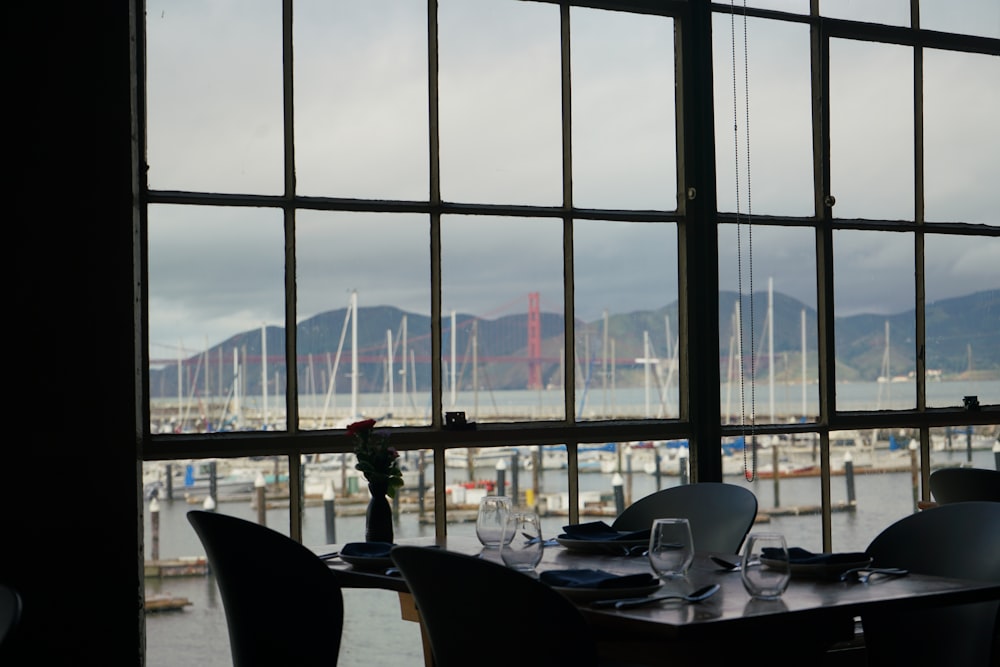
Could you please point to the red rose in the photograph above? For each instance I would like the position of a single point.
(362, 425)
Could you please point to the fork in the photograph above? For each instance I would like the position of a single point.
(863, 574)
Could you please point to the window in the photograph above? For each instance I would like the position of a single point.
(539, 214)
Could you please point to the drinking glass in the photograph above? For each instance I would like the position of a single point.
(491, 520)
(522, 541)
(765, 582)
(671, 548)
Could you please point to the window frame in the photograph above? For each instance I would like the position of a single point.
(697, 219)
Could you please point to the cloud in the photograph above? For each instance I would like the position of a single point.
(215, 124)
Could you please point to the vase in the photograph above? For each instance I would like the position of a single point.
(378, 519)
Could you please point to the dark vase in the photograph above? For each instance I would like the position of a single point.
(378, 520)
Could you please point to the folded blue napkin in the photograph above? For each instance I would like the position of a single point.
(587, 578)
(800, 556)
(601, 531)
(367, 549)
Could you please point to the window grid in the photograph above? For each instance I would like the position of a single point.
(698, 283)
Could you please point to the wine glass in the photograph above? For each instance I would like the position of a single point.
(671, 548)
(522, 545)
(765, 582)
(491, 519)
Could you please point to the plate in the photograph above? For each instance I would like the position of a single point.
(818, 569)
(368, 562)
(367, 555)
(578, 594)
(613, 547)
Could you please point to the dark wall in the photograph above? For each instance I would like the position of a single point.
(70, 522)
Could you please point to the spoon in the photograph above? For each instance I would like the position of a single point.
(702, 593)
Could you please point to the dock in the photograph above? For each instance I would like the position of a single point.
(178, 567)
(166, 602)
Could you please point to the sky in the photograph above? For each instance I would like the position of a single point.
(215, 124)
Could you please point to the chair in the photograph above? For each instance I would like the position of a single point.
(479, 612)
(951, 540)
(283, 605)
(720, 514)
(955, 485)
(10, 611)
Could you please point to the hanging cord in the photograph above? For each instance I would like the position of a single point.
(749, 450)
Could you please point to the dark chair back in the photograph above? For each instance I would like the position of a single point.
(956, 485)
(952, 540)
(10, 611)
(720, 514)
(478, 612)
(283, 605)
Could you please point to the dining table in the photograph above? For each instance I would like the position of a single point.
(812, 616)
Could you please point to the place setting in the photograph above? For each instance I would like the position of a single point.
(669, 548)
(834, 566)
(599, 537)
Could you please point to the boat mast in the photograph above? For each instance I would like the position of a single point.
(236, 389)
(770, 341)
(354, 354)
(402, 366)
(804, 364)
(389, 365)
(454, 336)
(263, 371)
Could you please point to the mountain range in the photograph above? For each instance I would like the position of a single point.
(963, 339)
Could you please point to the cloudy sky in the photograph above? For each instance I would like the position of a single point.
(215, 125)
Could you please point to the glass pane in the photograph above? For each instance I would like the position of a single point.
(500, 102)
(963, 339)
(969, 446)
(216, 312)
(624, 149)
(977, 17)
(627, 323)
(214, 119)
(889, 12)
(880, 480)
(374, 301)
(779, 178)
(534, 477)
(961, 146)
(871, 130)
(788, 503)
(779, 363)
(502, 300)
(361, 99)
(875, 329)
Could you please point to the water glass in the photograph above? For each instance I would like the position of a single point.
(492, 519)
(522, 541)
(671, 548)
(765, 582)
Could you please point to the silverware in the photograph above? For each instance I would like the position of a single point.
(329, 556)
(637, 550)
(863, 574)
(702, 593)
(725, 564)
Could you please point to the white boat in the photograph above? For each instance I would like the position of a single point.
(194, 479)
(482, 457)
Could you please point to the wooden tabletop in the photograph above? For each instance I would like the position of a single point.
(811, 615)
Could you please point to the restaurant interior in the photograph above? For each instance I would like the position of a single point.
(72, 508)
